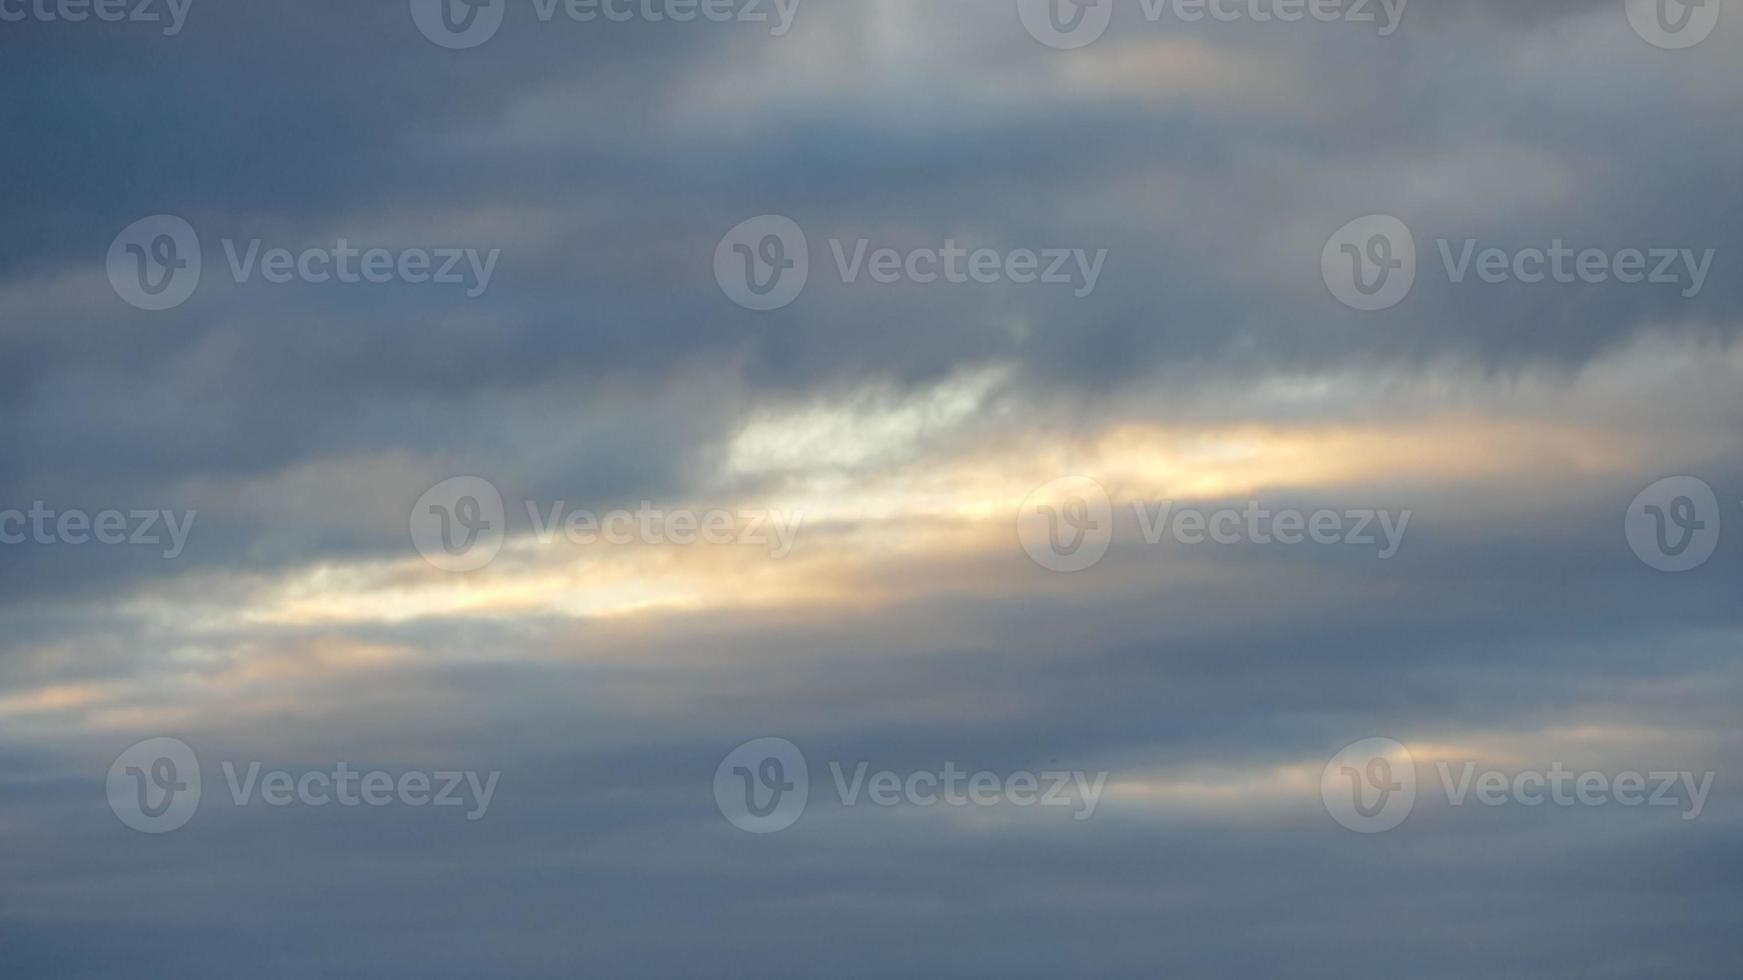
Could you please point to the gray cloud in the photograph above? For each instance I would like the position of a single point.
(605, 366)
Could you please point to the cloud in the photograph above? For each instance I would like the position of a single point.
(906, 423)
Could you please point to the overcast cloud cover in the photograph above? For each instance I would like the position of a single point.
(910, 431)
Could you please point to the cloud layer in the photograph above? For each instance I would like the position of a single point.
(904, 427)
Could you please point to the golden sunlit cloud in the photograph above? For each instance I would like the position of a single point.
(869, 489)
(882, 480)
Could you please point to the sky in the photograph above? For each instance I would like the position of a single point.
(983, 488)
